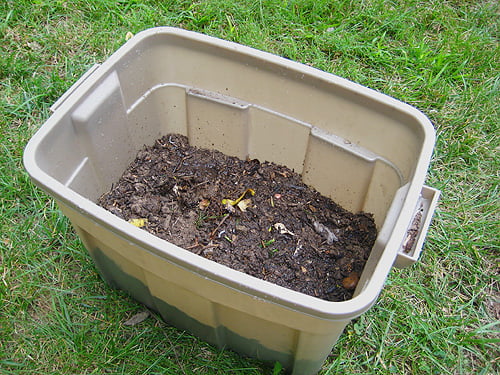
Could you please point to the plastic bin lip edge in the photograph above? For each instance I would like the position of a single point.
(330, 78)
(298, 301)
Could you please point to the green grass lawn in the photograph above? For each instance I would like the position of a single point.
(439, 316)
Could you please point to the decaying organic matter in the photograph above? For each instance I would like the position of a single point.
(255, 217)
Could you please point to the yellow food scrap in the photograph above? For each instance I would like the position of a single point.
(138, 222)
(234, 203)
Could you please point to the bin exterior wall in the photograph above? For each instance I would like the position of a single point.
(184, 299)
(361, 148)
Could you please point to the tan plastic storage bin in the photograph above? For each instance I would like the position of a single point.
(365, 150)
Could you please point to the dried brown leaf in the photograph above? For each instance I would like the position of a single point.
(137, 318)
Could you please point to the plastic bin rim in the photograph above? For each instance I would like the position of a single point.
(237, 280)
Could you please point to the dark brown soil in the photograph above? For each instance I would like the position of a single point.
(283, 232)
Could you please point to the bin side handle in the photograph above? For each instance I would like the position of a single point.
(413, 242)
(73, 87)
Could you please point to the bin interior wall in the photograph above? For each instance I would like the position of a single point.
(335, 108)
(369, 150)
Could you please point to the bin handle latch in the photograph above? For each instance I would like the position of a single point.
(412, 244)
(73, 87)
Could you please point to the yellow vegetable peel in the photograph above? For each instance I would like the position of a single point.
(234, 203)
(138, 222)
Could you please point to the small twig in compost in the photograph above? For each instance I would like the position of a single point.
(218, 226)
(196, 244)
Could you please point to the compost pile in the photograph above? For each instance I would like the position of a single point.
(257, 218)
